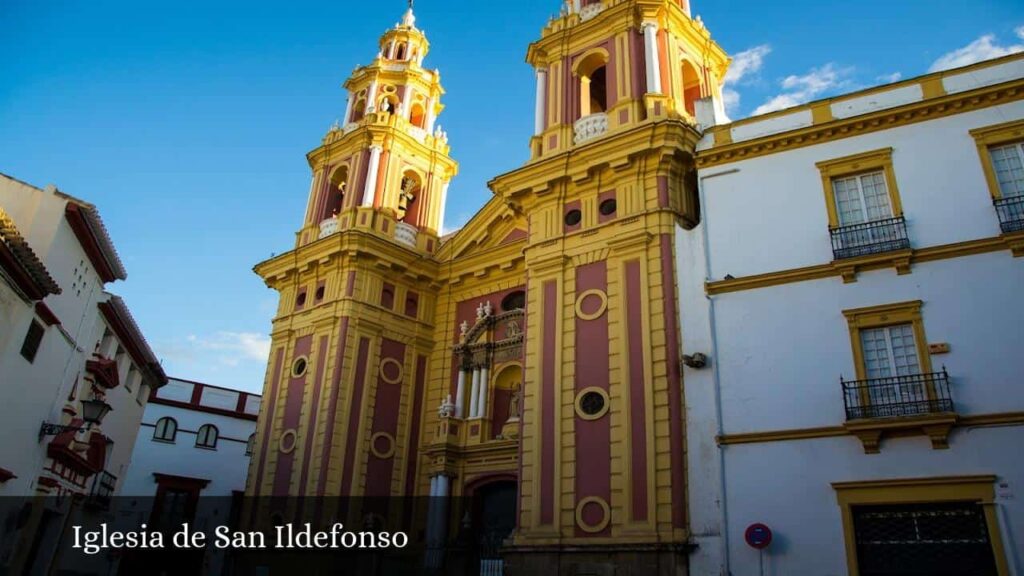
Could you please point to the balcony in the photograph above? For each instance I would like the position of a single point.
(898, 396)
(1011, 213)
(406, 234)
(590, 127)
(103, 486)
(919, 402)
(876, 237)
(328, 227)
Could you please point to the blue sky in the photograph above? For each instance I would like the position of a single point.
(187, 123)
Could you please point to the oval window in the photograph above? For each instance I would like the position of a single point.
(607, 208)
(592, 403)
(573, 217)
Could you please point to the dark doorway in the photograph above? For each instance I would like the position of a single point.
(494, 519)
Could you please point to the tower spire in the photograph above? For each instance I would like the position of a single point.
(409, 19)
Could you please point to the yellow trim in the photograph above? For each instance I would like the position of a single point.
(929, 109)
(972, 421)
(979, 489)
(592, 528)
(600, 309)
(579, 400)
(918, 255)
(383, 374)
(887, 315)
(995, 135)
(856, 164)
(383, 454)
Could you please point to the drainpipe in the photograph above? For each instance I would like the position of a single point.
(717, 383)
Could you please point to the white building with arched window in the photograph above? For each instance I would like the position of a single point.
(195, 440)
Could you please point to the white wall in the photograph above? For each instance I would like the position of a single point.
(777, 353)
(787, 485)
(226, 467)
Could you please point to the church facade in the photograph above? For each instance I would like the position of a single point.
(534, 367)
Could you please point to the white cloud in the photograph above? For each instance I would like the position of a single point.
(745, 64)
(984, 48)
(233, 348)
(889, 78)
(800, 89)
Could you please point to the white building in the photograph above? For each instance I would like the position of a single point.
(855, 286)
(190, 462)
(194, 436)
(65, 348)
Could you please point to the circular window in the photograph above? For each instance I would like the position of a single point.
(286, 444)
(607, 208)
(591, 403)
(299, 367)
(514, 301)
(573, 217)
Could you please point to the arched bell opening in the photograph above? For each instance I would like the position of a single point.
(691, 88)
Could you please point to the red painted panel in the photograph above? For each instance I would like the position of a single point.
(666, 82)
(547, 409)
(271, 402)
(332, 407)
(663, 201)
(356, 187)
(350, 286)
(414, 433)
(355, 414)
(637, 385)
(311, 425)
(593, 437)
(675, 382)
(385, 419)
(636, 48)
(291, 420)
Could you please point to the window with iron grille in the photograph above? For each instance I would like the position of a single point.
(935, 539)
(33, 338)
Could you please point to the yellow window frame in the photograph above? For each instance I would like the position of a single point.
(858, 164)
(980, 489)
(887, 315)
(995, 135)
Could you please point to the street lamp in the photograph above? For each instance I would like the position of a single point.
(93, 412)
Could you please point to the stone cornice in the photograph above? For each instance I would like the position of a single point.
(928, 109)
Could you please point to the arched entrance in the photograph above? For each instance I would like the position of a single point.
(491, 519)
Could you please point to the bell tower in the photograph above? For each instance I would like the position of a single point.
(385, 166)
(610, 184)
(354, 324)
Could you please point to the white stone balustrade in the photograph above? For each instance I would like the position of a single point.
(328, 227)
(406, 234)
(590, 127)
(591, 10)
(418, 133)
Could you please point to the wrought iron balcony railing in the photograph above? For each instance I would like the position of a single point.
(899, 396)
(874, 237)
(103, 486)
(1011, 213)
